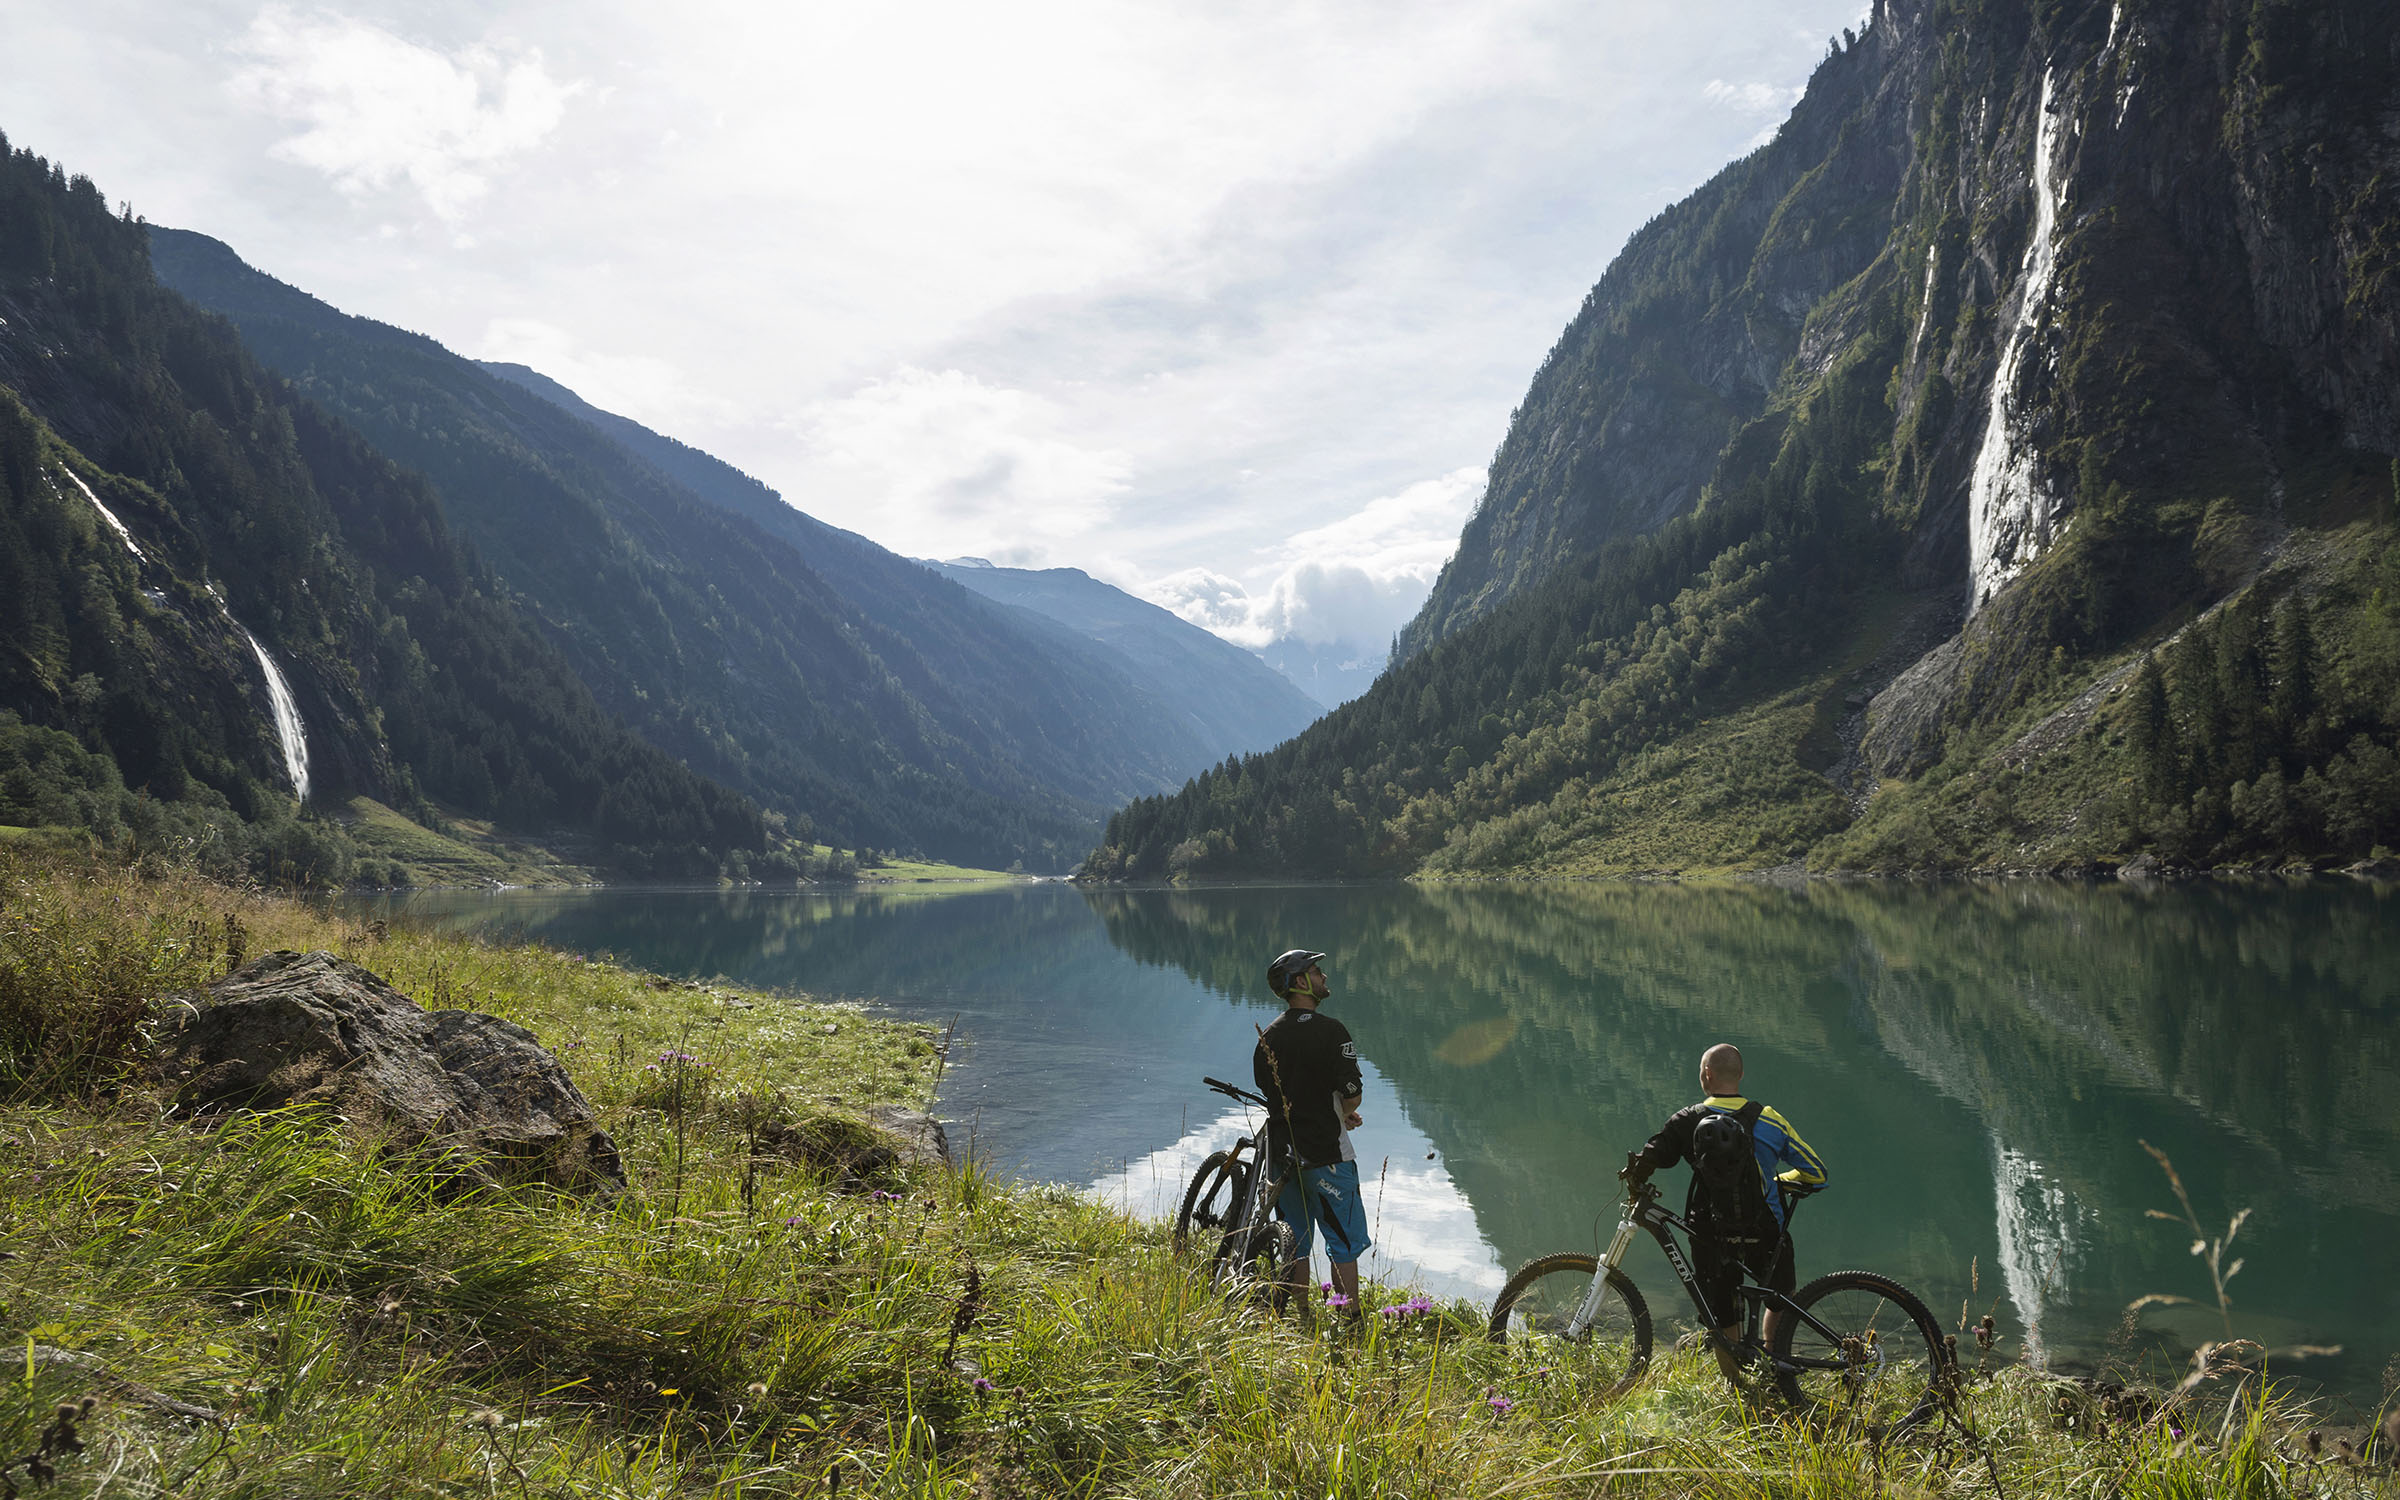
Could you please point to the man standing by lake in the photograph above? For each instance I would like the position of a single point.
(1307, 1067)
(1743, 1155)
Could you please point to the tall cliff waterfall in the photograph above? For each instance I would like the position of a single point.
(289, 731)
(288, 728)
(2008, 513)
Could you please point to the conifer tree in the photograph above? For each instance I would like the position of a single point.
(2292, 704)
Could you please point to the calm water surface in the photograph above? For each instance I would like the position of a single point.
(1978, 1065)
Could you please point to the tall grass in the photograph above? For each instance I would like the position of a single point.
(739, 1325)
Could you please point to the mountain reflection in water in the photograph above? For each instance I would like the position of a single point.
(1977, 1064)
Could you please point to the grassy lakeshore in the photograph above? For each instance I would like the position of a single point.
(729, 1328)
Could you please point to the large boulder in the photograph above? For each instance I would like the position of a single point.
(294, 1028)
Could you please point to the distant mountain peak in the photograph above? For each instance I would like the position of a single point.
(966, 562)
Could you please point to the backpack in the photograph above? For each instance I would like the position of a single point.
(1726, 1187)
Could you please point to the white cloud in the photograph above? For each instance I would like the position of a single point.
(612, 382)
(949, 464)
(1752, 98)
(377, 109)
(1354, 580)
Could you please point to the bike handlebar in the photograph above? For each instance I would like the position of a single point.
(1227, 1089)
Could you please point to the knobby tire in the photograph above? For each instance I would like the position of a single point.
(1543, 1296)
(1891, 1363)
(1208, 1204)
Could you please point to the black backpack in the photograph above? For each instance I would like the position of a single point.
(1726, 1188)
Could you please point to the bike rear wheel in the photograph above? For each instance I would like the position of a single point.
(1212, 1200)
(1879, 1358)
(1541, 1300)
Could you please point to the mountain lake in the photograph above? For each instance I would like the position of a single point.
(1980, 1065)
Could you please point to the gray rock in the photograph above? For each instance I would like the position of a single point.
(857, 1154)
(918, 1136)
(291, 1028)
(2374, 869)
(1907, 720)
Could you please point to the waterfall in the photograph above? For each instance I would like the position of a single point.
(2008, 515)
(106, 514)
(288, 727)
(286, 709)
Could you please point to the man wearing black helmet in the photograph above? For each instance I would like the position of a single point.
(1307, 1067)
(1743, 1154)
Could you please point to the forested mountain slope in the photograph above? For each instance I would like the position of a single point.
(1995, 469)
(889, 710)
(1232, 700)
(190, 553)
(1225, 698)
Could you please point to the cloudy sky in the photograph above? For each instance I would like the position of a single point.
(1227, 303)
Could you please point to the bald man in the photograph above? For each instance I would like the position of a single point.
(1737, 1206)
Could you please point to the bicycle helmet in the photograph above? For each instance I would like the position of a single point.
(1284, 970)
(1719, 1137)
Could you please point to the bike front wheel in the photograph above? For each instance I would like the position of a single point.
(1866, 1348)
(1538, 1307)
(1210, 1203)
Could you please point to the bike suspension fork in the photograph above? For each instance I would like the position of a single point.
(1588, 1312)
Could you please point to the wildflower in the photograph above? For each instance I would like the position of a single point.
(1336, 1299)
(1499, 1404)
(982, 1385)
(757, 1390)
(791, 1221)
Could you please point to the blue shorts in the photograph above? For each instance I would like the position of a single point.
(1339, 1210)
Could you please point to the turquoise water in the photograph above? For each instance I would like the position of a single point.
(1978, 1065)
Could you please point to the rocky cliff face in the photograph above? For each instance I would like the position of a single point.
(1687, 336)
(2013, 435)
(2144, 252)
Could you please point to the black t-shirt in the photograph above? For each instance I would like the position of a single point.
(1314, 1067)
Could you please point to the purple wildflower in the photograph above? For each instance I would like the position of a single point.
(1336, 1299)
(1499, 1404)
(981, 1385)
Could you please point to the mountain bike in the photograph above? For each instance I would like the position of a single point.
(1229, 1209)
(1852, 1342)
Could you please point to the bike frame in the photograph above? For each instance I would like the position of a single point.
(1643, 1211)
(1259, 1190)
